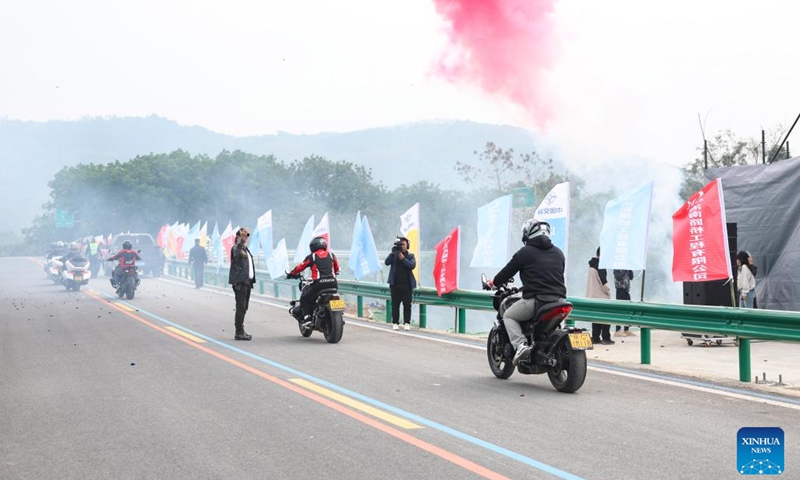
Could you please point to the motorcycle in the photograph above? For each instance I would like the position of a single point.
(53, 269)
(75, 272)
(128, 282)
(558, 352)
(328, 315)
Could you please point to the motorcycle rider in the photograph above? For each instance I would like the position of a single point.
(74, 253)
(541, 267)
(127, 258)
(324, 268)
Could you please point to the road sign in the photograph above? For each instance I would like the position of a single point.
(64, 219)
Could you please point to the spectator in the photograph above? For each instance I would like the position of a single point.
(242, 276)
(622, 283)
(746, 280)
(754, 270)
(198, 258)
(401, 281)
(597, 287)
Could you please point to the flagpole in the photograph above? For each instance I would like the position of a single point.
(641, 299)
(733, 293)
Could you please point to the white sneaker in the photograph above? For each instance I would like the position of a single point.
(523, 351)
(406, 327)
(395, 326)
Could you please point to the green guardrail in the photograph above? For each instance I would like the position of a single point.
(744, 324)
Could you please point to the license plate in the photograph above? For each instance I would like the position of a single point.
(78, 278)
(337, 304)
(580, 341)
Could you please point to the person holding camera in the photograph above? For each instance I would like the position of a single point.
(242, 276)
(401, 281)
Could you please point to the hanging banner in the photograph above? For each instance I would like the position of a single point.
(494, 222)
(554, 209)
(700, 237)
(445, 265)
(409, 228)
(623, 239)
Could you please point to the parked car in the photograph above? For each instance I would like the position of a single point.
(152, 261)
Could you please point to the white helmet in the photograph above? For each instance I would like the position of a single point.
(74, 246)
(533, 228)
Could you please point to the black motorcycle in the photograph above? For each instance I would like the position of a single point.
(128, 282)
(328, 316)
(558, 352)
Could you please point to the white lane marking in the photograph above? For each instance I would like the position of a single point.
(648, 378)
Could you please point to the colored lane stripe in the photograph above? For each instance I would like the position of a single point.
(428, 447)
(186, 335)
(387, 417)
(124, 307)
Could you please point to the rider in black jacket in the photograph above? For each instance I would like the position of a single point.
(541, 268)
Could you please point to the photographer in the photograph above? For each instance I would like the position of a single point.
(401, 281)
(242, 276)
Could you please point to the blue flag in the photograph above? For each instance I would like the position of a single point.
(305, 239)
(254, 245)
(367, 261)
(623, 240)
(494, 220)
(355, 244)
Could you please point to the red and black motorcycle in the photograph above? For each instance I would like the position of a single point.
(558, 352)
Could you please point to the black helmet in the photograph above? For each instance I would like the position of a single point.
(533, 228)
(318, 243)
(127, 245)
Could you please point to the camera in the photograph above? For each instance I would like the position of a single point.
(397, 246)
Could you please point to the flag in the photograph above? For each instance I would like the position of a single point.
(445, 265)
(278, 262)
(554, 210)
(355, 243)
(409, 228)
(204, 235)
(228, 237)
(217, 241)
(494, 222)
(160, 240)
(254, 245)
(191, 234)
(305, 239)
(323, 230)
(367, 260)
(700, 237)
(264, 230)
(623, 240)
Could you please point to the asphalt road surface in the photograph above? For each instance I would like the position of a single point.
(94, 387)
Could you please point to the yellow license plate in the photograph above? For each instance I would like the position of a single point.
(337, 304)
(580, 341)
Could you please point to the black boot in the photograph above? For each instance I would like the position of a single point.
(241, 335)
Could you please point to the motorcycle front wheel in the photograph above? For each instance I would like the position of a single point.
(333, 327)
(306, 332)
(569, 373)
(495, 351)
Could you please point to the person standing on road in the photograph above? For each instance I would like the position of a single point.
(746, 280)
(401, 281)
(198, 258)
(242, 276)
(597, 287)
(622, 284)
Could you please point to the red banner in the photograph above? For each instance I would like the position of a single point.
(160, 238)
(700, 238)
(445, 266)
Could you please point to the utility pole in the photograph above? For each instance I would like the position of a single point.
(763, 147)
(705, 154)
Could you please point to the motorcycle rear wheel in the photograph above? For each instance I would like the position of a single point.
(334, 327)
(495, 352)
(570, 372)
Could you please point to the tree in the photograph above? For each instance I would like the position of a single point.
(498, 170)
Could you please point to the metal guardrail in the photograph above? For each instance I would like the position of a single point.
(745, 324)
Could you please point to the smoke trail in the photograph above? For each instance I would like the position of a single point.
(503, 47)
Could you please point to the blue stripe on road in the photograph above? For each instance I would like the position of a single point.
(442, 428)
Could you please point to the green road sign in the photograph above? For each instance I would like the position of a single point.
(64, 219)
(523, 197)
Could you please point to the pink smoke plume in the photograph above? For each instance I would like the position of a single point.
(502, 46)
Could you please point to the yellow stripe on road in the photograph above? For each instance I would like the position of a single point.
(387, 417)
(124, 307)
(185, 335)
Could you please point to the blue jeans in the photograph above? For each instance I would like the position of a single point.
(746, 302)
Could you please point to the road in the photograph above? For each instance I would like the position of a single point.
(92, 387)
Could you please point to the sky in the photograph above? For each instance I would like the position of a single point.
(600, 80)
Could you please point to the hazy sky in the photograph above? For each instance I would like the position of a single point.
(625, 77)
